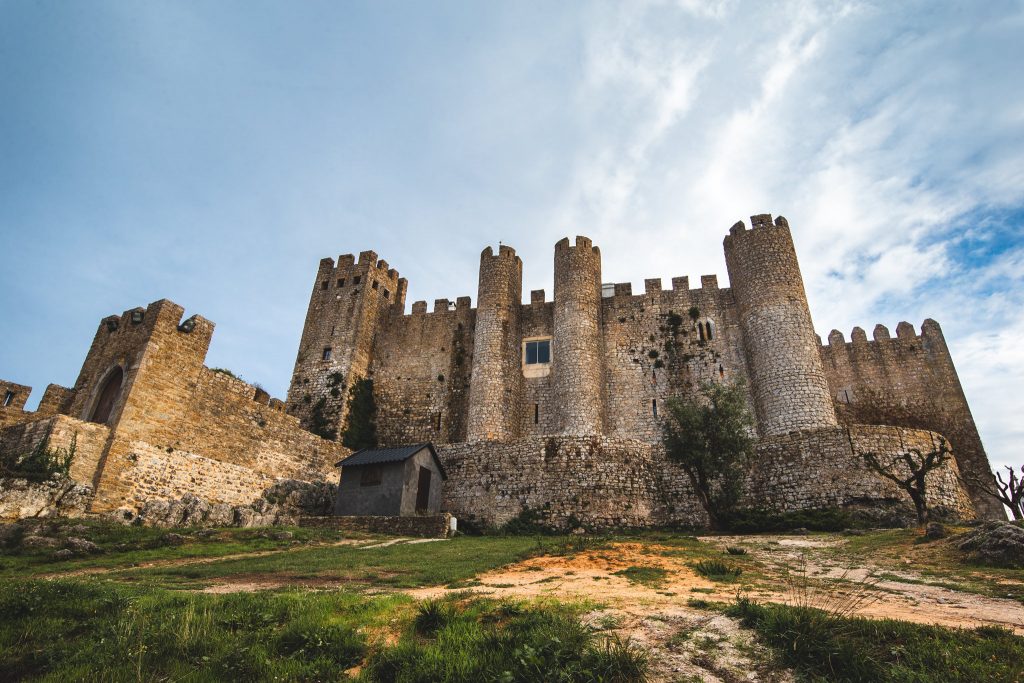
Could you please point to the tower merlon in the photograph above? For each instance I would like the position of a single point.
(419, 307)
(652, 285)
(681, 284)
(836, 339)
(536, 296)
(905, 330)
(625, 288)
(367, 258)
(346, 261)
(859, 336)
(582, 242)
(709, 282)
(880, 333)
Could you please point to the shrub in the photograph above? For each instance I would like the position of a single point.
(736, 550)
(42, 462)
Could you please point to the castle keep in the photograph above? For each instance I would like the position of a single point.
(552, 406)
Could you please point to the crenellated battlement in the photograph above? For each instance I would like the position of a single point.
(582, 243)
(761, 221)
(504, 252)
(930, 330)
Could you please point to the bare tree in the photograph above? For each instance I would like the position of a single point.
(908, 471)
(1010, 492)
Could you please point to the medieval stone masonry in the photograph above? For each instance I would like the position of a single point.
(552, 406)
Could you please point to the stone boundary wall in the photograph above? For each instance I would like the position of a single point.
(625, 483)
(422, 526)
(824, 468)
(594, 481)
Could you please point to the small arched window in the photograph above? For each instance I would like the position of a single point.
(707, 326)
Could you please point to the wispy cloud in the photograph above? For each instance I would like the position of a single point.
(213, 154)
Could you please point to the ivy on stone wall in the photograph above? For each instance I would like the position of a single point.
(319, 423)
(361, 424)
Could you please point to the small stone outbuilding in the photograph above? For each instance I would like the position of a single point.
(391, 481)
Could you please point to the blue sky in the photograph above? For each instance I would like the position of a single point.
(212, 153)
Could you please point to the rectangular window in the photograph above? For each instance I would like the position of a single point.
(371, 475)
(8, 398)
(324, 284)
(356, 279)
(327, 353)
(654, 406)
(538, 352)
(386, 294)
(341, 282)
(437, 422)
(374, 285)
(536, 413)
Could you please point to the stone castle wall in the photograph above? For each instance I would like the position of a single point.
(422, 366)
(787, 380)
(607, 482)
(176, 426)
(577, 346)
(909, 381)
(496, 381)
(346, 307)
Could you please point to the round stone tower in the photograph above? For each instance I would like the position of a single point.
(787, 378)
(577, 351)
(495, 388)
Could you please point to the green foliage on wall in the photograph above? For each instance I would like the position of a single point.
(41, 463)
(361, 424)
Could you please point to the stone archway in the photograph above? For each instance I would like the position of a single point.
(108, 396)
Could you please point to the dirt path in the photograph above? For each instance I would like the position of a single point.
(186, 561)
(594, 575)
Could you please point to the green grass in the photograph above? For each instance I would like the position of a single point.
(397, 566)
(485, 640)
(72, 630)
(76, 631)
(653, 577)
(124, 546)
(823, 647)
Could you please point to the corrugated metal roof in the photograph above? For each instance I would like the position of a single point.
(377, 456)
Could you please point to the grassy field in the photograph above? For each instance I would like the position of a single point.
(187, 605)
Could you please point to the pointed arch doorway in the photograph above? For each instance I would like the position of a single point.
(108, 396)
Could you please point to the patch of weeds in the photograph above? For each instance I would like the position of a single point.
(652, 577)
(736, 550)
(431, 616)
(716, 570)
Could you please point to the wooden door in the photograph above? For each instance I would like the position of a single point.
(423, 490)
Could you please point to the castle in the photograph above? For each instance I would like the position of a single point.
(554, 406)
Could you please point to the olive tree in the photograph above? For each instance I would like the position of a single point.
(909, 470)
(710, 435)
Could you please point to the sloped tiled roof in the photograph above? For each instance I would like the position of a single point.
(378, 456)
